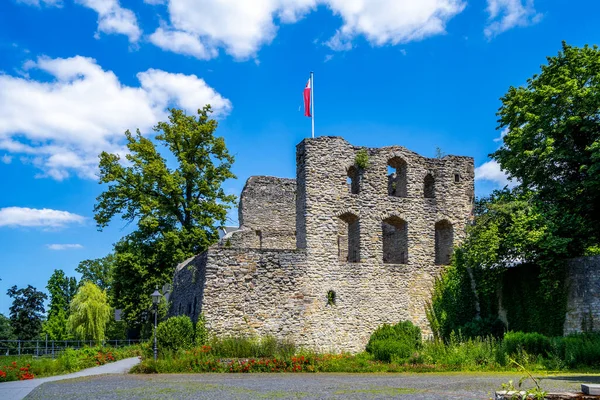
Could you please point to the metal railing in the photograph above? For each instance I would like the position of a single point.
(53, 348)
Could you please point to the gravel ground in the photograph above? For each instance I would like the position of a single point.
(294, 386)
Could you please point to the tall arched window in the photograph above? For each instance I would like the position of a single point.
(348, 238)
(397, 169)
(444, 237)
(395, 240)
(353, 180)
(429, 186)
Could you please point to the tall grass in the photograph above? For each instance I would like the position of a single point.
(244, 354)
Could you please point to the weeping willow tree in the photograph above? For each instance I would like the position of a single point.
(90, 313)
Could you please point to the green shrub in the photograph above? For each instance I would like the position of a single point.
(578, 350)
(201, 334)
(176, 333)
(70, 360)
(385, 350)
(362, 159)
(532, 343)
(399, 341)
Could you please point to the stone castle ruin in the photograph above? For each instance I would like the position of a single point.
(324, 259)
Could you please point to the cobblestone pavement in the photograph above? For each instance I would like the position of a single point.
(294, 386)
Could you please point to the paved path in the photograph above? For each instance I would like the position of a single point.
(17, 390)
(430, 386)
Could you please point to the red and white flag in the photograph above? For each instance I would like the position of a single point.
(307, 93)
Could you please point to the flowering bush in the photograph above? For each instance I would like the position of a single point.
(27, 367)
(12, 372)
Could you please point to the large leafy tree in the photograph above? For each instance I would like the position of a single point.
(90, 312)
(171, 187)
(62, 289)
(98, 271)
(27, 311)
(552, 145)
(6, 331)
(509, 229)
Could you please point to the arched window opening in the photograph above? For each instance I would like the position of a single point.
(395, 241)
(444, 237)
(397, 169)
(353, 180)
(456, 178)
(348, 238)
(429, 187)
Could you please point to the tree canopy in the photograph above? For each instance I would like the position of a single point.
(552, 149)
(552, 142)
(98, 271)
(27, 311)
(6, 331)
(90, 312)
(187, 199)
(171, 188)
(61, 289)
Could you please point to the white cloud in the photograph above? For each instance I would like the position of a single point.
(64, 246)
(503, 133)
(39, 3)
(182, 43)
(112, 18)
(491, 171)
(61, 125)
(241, 27)
(33, 217)
(393, 21)
(507, 14)
(6, 159)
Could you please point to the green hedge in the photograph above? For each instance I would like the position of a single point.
(398, 341)
(176, 333)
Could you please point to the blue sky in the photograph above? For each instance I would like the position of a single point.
(74, 74)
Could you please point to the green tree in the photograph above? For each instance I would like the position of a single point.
(90, 312)
(552, 145)
(27, 311)
(6, 331)
(98, 271)
(62, 289)
(56, 326)
(188, 200)
(509, 228)
(177, 209)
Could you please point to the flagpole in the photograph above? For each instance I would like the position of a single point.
(312, 102)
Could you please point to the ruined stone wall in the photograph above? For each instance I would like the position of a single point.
(244, 291)
(370, 292)
(268, 202)
(372, 242)
(583, 301)
(267, 215)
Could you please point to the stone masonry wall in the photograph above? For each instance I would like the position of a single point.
(267, 215)
(339, 234)
(268, 203)
(370, 292)
(583, 301)
(244, 291)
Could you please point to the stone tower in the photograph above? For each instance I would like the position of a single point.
(375, 236)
